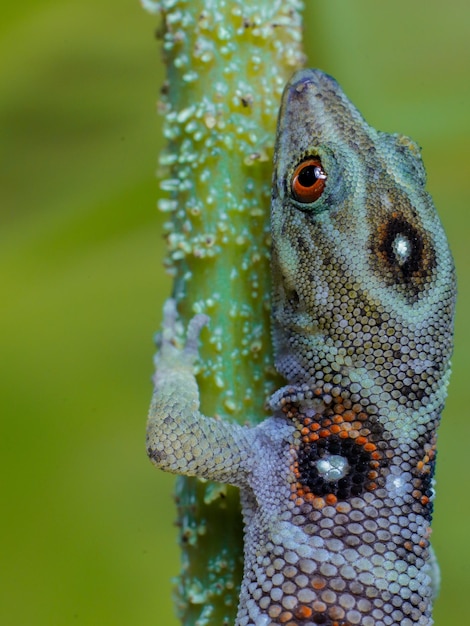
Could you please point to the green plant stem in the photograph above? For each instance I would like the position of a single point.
(227, 63)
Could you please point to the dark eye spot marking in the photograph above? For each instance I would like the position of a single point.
(402, 246)
(334, 461)
(334, 465)
(404, 255)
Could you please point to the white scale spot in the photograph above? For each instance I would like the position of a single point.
(402, 248)
(398, 483)
(332, 467)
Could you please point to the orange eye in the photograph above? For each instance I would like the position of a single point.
(308, 181)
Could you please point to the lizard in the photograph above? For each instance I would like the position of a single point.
(337, 484)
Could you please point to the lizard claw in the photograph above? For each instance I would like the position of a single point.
(170, 341)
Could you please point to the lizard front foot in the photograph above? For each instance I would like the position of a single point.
(174, 352)
(180, 438)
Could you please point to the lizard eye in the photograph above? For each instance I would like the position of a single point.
(308, 181)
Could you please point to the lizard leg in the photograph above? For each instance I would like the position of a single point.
(179, 438)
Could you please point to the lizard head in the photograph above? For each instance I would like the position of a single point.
(363, 280)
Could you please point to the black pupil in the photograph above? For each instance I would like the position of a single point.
(308, 175)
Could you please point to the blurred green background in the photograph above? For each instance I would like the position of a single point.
(87, 534)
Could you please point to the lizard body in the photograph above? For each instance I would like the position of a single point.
(336, 486)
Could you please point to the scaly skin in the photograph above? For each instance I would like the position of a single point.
(337, 485)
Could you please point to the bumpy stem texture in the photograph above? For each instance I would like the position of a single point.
(227, 63)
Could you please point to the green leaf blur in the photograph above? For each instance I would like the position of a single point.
(87, 535)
